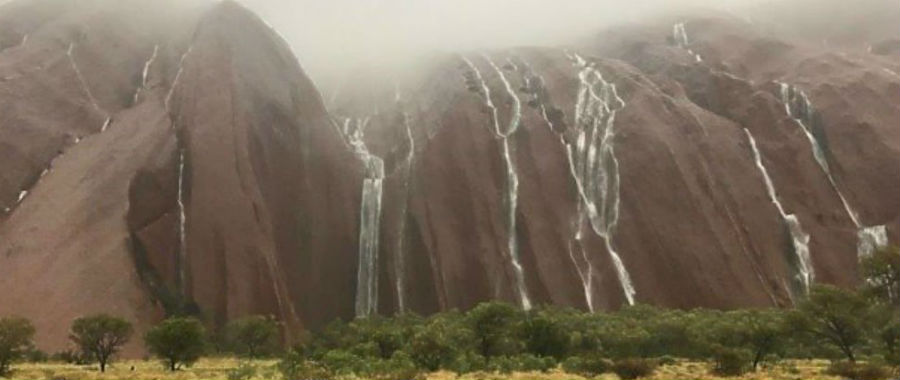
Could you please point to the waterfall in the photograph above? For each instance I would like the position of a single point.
(144, 74)
(798, 106)
(369, 219)
(512, 178)
(182, 222)
(399, 262)
(800, 239)
(679, 35)
(177, 76)
(594, 165)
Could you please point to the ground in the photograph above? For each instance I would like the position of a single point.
(219, 369)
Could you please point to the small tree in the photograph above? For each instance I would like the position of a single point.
(492, 323)
(177, 341)
(881, 272)
(832, 316)
(253, 336)
(100, 336)
(15, 340)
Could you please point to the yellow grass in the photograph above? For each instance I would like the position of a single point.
(218, 369)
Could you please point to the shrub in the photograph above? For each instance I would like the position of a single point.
(15, 340)
(859, 371)
(35, 355)
(254, 336)
(341, 362)
(634, 368)
(69, 357)
(588, 365)
(468, 362)
(177, 341)
(666, 360)
(731, 362)
(293, 366)
(399, 367)
(100, 336)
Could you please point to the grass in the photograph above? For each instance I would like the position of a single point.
(219, 369)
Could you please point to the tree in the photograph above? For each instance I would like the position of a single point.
(832, 316)
(545, 335)
(177, 341)
(759, 332)
(253, 336)
(15, 340)
(881, 271)
(492, 324)
(100, 336)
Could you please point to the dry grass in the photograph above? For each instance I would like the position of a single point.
(218, 369)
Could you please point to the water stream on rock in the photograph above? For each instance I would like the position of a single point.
(804, 275)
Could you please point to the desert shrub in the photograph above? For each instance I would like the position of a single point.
(666, 360)
(70, 357)
(15, 340)
(100, 336)
(399, 367)
(468, 362)
(731, 361)
(340, 362)
(294, 366)
(587, 365)
(177, 341)
(859, 371)
(244, 371)
(634, 368)
(35, 355)
(253, 336)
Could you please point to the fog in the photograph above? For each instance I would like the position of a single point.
(331, 37)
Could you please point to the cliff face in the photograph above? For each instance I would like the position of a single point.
(153, 164)
(152, 167)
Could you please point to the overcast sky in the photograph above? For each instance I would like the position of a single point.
(339, 34)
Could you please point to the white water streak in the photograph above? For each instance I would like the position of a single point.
(512, 178)
(399, 262)
(177, 76)
(680, 36)
(594, 165)
(145, 73)
(370, 219)
(798, 106)
(805, 274)
(182, 223)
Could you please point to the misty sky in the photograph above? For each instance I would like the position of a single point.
(336, 35)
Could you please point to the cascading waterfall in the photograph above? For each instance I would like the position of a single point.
(679, 35)
(798, 106)
(535, 85)
(594, 166)
(399, 262)
(512, 178)
(144, 74)
(800, 239)
(182, 222)
(177, 76)
(370, 219)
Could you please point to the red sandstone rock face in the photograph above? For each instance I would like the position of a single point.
(221, 186)
(269, 190)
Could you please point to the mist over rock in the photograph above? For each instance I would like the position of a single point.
(159, 158)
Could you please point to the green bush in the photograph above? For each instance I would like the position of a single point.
(294, 366)
(253, 336)
(15, 340)
(666, 360)
(588, 365)
(731, 362)
(177, 341)
(468, 362)
(634, 368)
(399, 367)
(859, 371)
